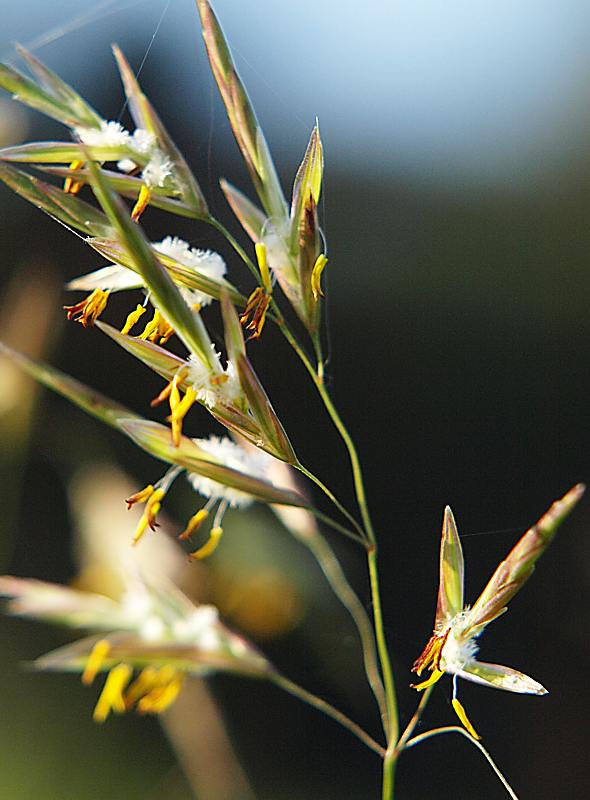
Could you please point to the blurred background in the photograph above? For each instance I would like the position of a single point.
(456, 204)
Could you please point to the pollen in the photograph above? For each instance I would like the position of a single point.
(87, 311)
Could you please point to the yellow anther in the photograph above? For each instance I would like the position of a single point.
(153, 506)
(194, 524)
(157, 328)
(460, 712)
(436, 676)
(140, 497)
(210, 545)
(260, 248)
(316, 275)
(180, 409)
(167, 390)
(132, 318)
(148, 518)
(197, 307)
(111, 698)
(174, 398)
(430, 657)
(141, 204)
(254, 315)
(72, 186)
(161, 698)
(87, 311)
(140, 530)
(95, 661)
(144, 683)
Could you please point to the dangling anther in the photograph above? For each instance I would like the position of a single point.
(141, 204)
(194, 524)
(95, 661)
(157, 328)
(461, 713)
(72, 186)
(165, 393)
(254, 315)
(316, 275)
(140, 497)
(111, 698)
(148, 519)
(179, 409)
(132, 318)
(210, 545)
(87, 311)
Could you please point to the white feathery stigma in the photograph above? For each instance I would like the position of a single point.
(254, 463)
(110, 134)
(214, 385)
(157, 170)
(204, 262)
(459, 649)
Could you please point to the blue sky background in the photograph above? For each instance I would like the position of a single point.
(494, 91)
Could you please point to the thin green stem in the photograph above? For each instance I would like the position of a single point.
(319, 355)
(329, 710)
(332, 497)
(394, 750)
(389, 763)
(338, 527)
(393, 732)
(456, 729)
(215, 223)
(391, 700)
(335, 576)
(414, 721)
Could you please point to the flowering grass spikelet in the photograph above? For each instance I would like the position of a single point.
(153, 629)
(453, 645)
(117, 278)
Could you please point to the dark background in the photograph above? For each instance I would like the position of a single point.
(459, 339)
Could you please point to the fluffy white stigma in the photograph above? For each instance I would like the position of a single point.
(213, 386)
(459, 650)
(143, 141)
(254, 463)
(110, 134)
(157, 170)
(199, 627)
(204, 262)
